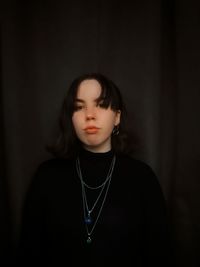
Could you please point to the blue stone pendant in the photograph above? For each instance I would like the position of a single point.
(88, 219)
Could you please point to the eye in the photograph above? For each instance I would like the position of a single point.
(78, 107)
(102, 104)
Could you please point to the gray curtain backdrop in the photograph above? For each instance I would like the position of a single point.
(151, 49)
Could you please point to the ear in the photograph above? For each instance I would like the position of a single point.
(118, 117)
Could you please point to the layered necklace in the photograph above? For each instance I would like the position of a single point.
(90, 221)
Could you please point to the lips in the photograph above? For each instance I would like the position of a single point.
(91, 129)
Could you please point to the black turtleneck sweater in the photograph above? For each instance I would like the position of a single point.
(132, 227)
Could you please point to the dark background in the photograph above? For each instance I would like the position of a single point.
(151, 49)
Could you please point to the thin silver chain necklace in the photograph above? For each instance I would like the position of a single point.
(104, 188)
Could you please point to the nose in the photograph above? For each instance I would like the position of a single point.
(90, 114)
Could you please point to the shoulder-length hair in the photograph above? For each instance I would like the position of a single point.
(67, 144)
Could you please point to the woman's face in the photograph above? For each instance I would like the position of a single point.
(93, 123)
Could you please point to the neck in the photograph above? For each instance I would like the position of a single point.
(94, 166)
(98, 149)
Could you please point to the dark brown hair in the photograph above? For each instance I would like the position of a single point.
(67, 144)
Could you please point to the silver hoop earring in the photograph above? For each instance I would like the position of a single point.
(116, 130)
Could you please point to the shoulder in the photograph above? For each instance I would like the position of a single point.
(143, 177)
(138, 170)
(51, 170)
(49, 176)
(53, 164)
(134, 165)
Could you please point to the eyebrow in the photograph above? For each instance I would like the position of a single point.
(82, 101)
(79, 100)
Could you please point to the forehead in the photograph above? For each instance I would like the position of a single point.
(89, 89)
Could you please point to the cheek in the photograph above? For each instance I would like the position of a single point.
(77, 123)
(74, 121)
(109, 123)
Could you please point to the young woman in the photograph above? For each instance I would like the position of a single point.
(93, 204)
